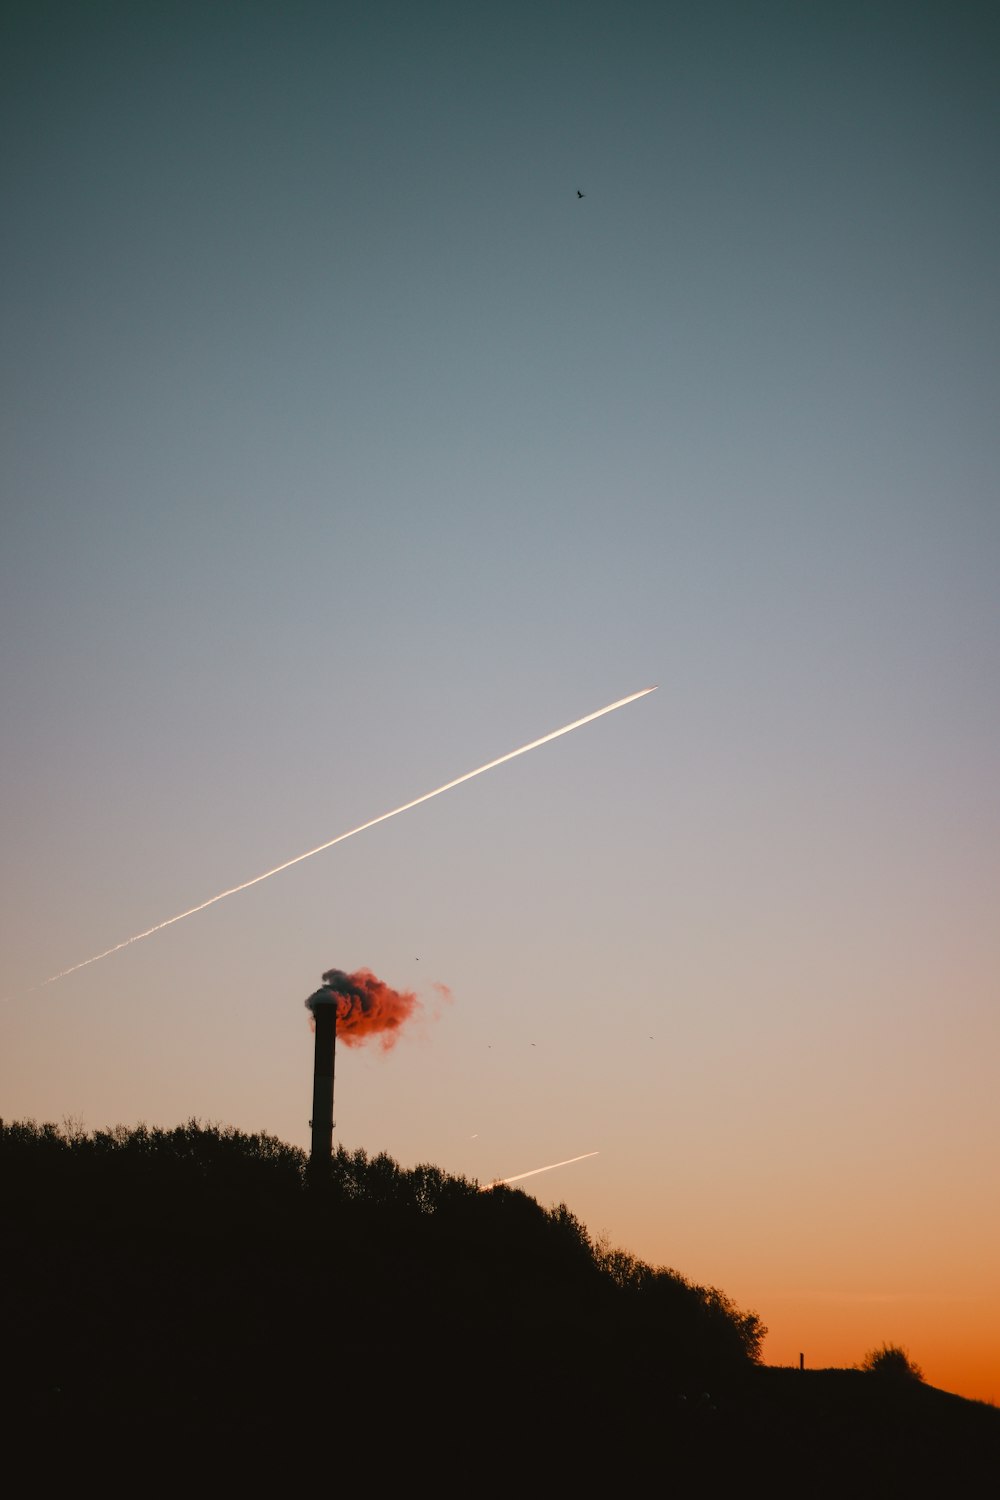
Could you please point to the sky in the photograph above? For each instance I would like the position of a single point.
(346, 448)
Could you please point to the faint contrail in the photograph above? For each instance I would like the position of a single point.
(500, 1181)
(235, 889)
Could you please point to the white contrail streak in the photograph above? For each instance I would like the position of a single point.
(500, 1181)
(235, 889)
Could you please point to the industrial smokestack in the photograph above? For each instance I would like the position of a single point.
(323, 1005)
(364, 1006)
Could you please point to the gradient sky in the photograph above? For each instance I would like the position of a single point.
(345, 449)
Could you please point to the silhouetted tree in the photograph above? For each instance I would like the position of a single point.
(890, 1362)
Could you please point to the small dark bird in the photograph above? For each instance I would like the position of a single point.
(579, 194)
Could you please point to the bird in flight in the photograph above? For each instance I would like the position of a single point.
(579, 194)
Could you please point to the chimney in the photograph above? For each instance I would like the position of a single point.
(323, 1005)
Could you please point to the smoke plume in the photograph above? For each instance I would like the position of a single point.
(366, 1007)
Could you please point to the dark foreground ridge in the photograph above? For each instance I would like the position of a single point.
(191, 1297)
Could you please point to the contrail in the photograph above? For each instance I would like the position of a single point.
(405, 807)
(500, 1181)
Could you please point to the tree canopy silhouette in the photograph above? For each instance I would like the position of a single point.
(204, 1217)
(194, 1289)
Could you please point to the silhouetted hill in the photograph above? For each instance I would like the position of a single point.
(192, 1292)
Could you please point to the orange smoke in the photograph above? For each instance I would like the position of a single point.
(366, 1006)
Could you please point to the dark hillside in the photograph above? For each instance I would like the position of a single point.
(191, 1291)
(872, 1435)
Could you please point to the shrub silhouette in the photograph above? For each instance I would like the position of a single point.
(890, 1362)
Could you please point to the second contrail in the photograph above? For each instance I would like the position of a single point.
(404, 807)
(502, 1181)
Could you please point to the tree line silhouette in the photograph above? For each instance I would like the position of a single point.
(199, 1283)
